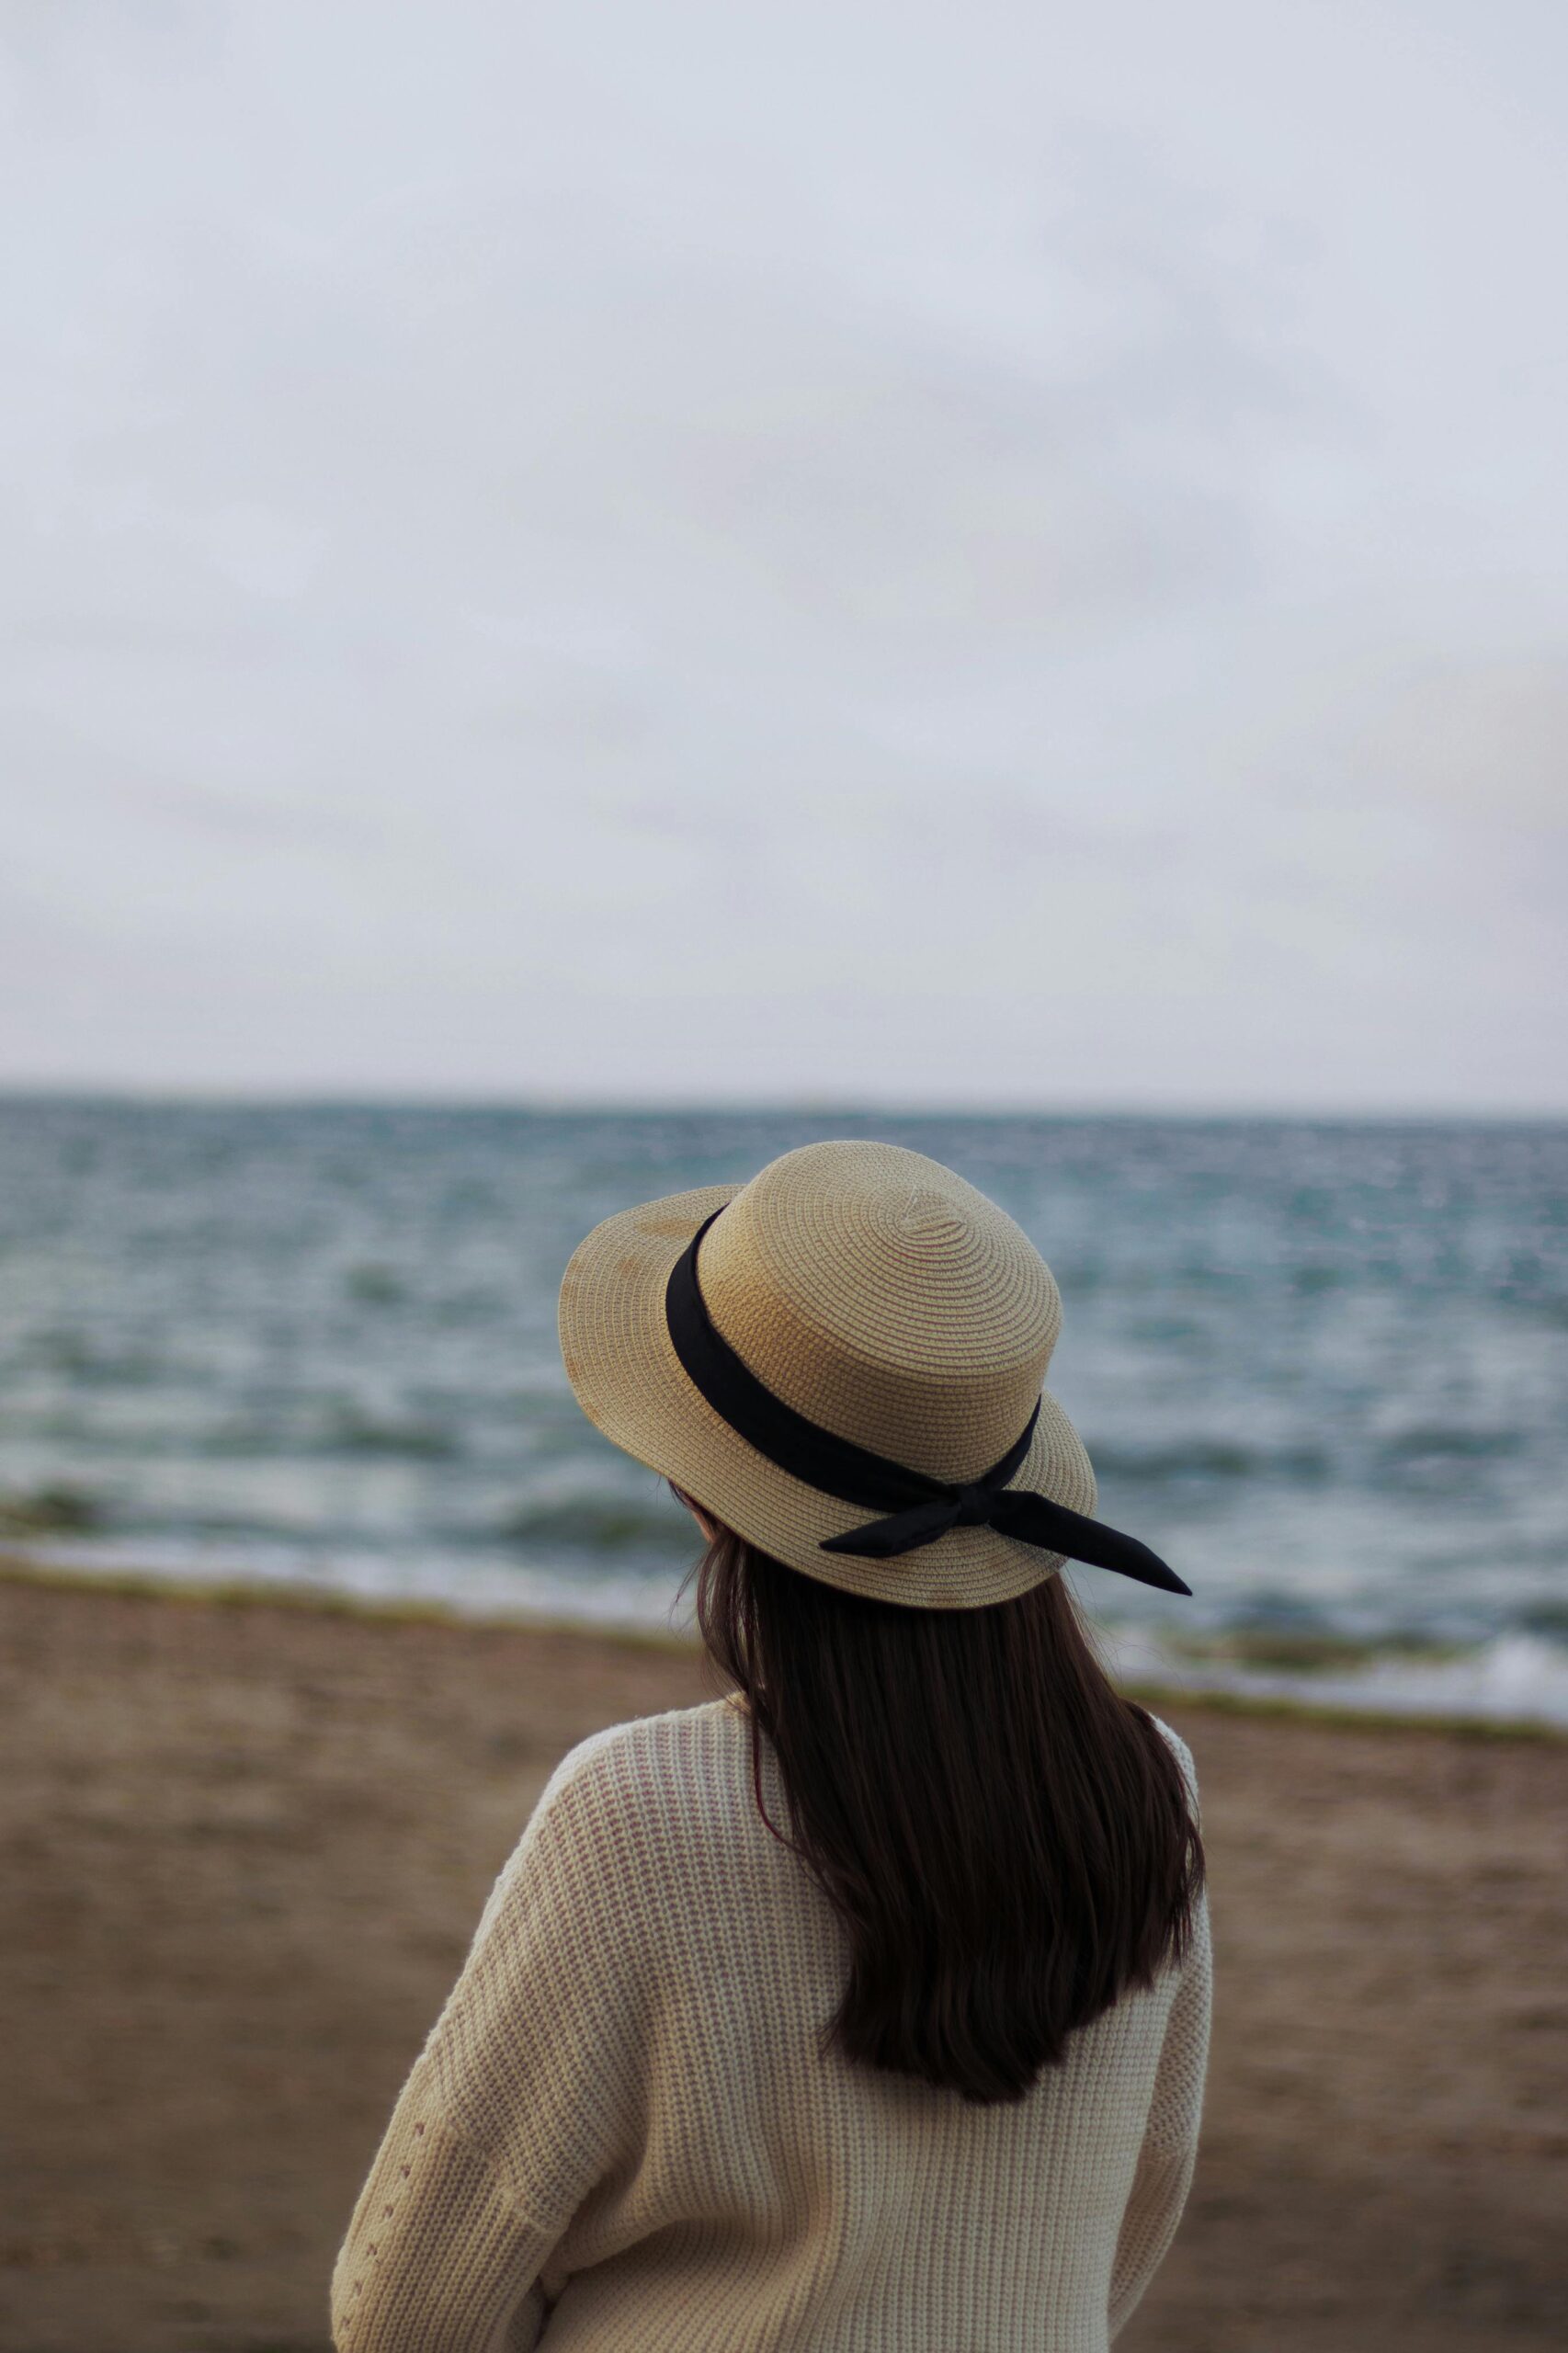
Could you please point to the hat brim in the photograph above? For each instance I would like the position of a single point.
(632, 1385)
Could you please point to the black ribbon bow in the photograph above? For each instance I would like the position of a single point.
(917, 1510)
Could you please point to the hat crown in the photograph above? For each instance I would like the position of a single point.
(887, 1299)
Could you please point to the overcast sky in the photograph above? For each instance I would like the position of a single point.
(876, 551)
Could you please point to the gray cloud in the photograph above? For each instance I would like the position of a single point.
(844, 551)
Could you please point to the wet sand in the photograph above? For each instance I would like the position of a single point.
(245, 1847)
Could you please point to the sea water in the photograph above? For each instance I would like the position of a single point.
(1320, 1367)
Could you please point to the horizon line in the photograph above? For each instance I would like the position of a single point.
(132, 1094)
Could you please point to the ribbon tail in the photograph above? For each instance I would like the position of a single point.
(879, 1539)
(1035, 1519)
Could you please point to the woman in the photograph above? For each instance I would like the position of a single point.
(866, 2006)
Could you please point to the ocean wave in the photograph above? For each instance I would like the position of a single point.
(375, 1285)
(350, 1432)
(90, 1363)
(607, 1528)
(1210, 1458)
(1440, 1439)
(1418, 1452)
(328, 1334)
(1549, 1619)
(300, 1436)
(43, 1510)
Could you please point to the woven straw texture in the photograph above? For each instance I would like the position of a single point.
(621, 2136)
(879, 1294)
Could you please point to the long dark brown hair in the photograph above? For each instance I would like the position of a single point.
(1008, 1841)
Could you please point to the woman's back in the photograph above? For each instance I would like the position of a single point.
(626, 2120)
(868, 2007)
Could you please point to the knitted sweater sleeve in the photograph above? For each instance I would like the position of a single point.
(528, 2091)
(1170, 2143)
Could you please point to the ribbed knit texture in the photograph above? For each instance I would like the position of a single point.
(621, 2134)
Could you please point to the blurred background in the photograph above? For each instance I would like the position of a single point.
(783, 573)
(589, 595)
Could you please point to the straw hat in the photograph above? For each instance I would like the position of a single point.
(846, 1352)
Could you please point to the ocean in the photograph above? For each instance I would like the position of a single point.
(1322, 1366)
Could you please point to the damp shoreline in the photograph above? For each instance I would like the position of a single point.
(247, 1842)
(1329, 1680)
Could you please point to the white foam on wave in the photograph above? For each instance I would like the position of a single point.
(1515, 1678)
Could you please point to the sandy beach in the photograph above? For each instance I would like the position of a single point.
(245, 1845)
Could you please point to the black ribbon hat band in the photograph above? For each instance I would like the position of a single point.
(918, 1509)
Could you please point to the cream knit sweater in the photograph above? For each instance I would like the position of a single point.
(620, 2134)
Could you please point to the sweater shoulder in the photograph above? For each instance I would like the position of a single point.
(641, 1794)
(641, 1771)
(615, 1828)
